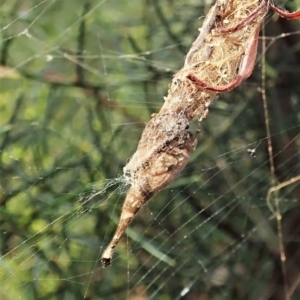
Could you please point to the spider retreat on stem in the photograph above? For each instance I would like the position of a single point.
(248, 61)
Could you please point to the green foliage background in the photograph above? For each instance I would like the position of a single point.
(78, 80)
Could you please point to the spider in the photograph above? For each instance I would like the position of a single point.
(248, 61)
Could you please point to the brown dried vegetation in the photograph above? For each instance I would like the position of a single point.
(224, 49)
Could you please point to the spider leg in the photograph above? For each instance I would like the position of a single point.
(285, 14)
(228, 87)
(245, 70)
(253, 15)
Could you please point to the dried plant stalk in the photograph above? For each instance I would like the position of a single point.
(221, 57)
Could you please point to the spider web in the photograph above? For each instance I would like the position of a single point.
(78, 82)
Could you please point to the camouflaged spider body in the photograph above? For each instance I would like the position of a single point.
(163, 151)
